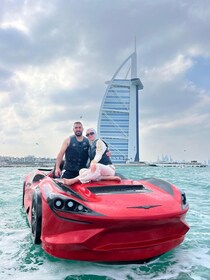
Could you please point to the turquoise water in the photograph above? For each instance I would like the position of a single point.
(20, 259)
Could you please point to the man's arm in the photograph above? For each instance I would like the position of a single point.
(60, 156)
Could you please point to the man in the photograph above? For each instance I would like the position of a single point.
(75, 149)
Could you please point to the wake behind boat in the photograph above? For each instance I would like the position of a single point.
(105, 221)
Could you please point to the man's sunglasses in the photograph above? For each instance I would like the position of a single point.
(88, 134)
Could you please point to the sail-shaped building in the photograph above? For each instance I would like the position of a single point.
(118, 123)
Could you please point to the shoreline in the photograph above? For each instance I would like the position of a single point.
(178, 165)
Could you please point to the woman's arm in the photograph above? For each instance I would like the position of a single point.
(100, 149)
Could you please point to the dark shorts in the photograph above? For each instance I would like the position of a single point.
(70, 174)
(67, 174)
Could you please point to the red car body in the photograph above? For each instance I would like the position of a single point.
(105, 221)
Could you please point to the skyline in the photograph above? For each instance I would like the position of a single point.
(57, 56)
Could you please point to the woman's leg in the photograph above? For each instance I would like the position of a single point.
(70, 181)
(98, 172)
(106, 170)
(110, 178)
(90, 175)
(82, 174)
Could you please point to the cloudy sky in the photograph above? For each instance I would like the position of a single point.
(57, 54)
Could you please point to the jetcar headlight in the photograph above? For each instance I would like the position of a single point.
(68, 205)
(58, 203)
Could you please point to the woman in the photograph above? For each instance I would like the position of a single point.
(101, 167)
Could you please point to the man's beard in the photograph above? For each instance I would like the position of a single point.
(78, 133)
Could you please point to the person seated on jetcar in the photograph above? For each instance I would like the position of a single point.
(101, 167)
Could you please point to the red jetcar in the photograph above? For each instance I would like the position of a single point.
(105, 221)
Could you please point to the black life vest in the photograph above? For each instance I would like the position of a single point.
(76, 155)
(92, 152)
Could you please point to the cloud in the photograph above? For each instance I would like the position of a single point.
(57, 55)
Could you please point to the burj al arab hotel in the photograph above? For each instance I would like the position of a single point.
(118, 123)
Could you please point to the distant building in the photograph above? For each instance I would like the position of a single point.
(118, 122)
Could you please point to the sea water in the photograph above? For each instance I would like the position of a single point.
(21, 259)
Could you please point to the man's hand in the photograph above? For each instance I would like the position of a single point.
(58, 172)
(108, 153)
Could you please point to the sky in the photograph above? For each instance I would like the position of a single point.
(56, 56)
